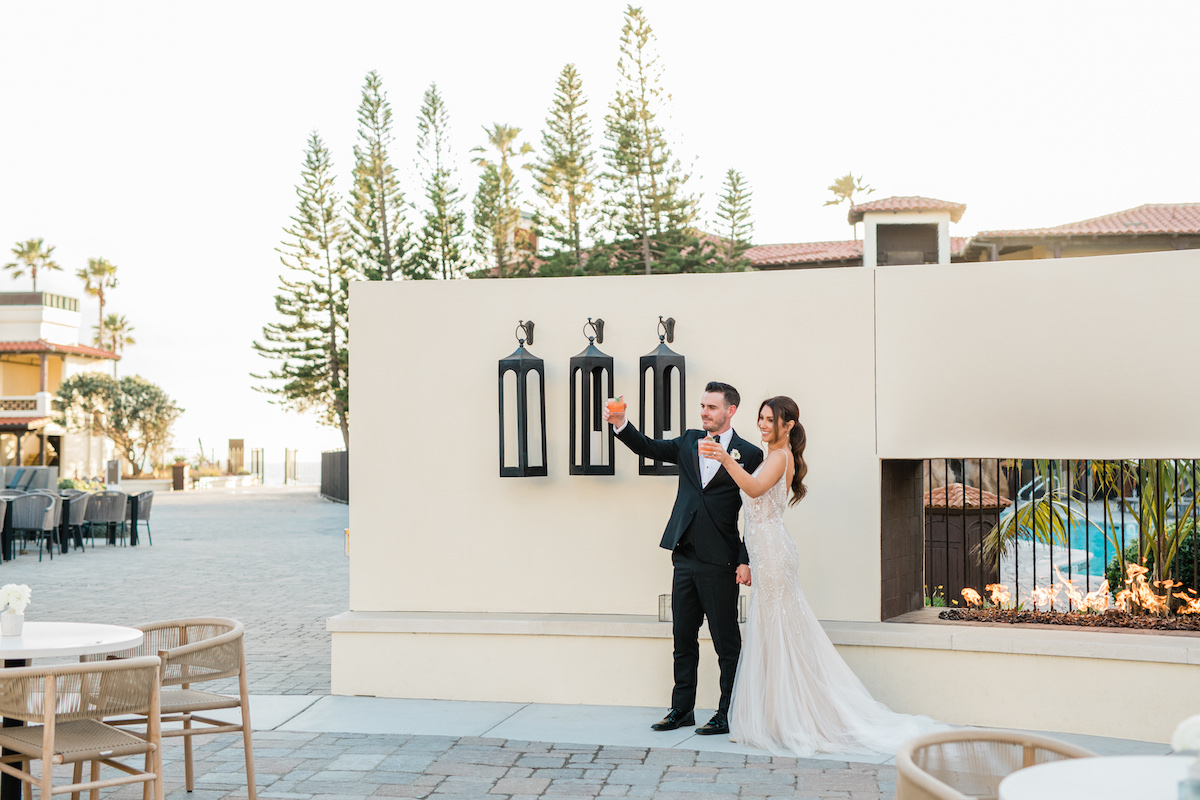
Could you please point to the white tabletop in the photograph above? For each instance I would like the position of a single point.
(1124, 777)
(49, 639)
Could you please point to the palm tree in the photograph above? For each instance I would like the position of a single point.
(31, 255)
(844, 189)
(97, 277)
(503, 138)
(117, 336)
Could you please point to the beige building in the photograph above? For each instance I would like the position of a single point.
(910, 226)
(39, 348)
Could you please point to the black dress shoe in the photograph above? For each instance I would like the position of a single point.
(718, 724)
(675, 718)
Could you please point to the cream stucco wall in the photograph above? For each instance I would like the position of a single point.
(1001, 359)
(1068, 358)
(436, 528)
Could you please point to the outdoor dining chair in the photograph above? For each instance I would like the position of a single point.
(34, 513)
(142, 503)
(969, 763)
(194, 651)
(106, 510)
(12, 492)
(58, 514)
(75, 511)
(70, 702)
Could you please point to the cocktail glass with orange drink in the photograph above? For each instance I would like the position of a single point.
(709, 447)
(616, 405)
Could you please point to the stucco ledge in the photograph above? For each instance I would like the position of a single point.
(1061, 641)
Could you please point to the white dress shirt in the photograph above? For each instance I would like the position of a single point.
(709, 466)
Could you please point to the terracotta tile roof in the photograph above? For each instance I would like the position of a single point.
(937, 498)
(769, 255)
(22, 423)
(907, 204)
(42, 346)
(1152, 218)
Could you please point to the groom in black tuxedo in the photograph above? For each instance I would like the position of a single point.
(707, 551)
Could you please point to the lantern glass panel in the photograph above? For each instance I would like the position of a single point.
(509, 432)
(533, 395)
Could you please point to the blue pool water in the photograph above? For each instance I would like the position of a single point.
(1092, 535)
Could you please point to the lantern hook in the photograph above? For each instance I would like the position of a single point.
(666, 329)
(524, 332)
(597, 334)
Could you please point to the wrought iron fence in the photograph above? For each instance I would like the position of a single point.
(1042, 528)
(335, 475)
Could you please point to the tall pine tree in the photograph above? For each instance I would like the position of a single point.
(497, 204)
(310, 342)
(380, 241)
(648, 203)
(445, 223)
(737, 226)
(565, 178)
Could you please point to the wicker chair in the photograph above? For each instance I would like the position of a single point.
(70, 701)
(106, 510)
(144, 501)
(76, 512)
(969, 763)
(193, 651)
(58, 514)
(34, 513)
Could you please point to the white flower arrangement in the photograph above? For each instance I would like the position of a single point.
(14, 598)
(736, 455)
(1187, 735)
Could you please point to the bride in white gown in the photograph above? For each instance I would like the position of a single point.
(793, 694)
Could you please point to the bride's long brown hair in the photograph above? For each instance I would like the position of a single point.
(785, 410)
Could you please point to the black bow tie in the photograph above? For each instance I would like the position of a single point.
(717, 438)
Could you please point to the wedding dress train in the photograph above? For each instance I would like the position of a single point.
(793, 694)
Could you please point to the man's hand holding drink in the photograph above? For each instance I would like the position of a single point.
(710, 448)
(614, 411)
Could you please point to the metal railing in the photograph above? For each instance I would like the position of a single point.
(1028, 524)
(335, 475)
(39, 299)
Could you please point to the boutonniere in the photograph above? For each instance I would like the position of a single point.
(736, 455)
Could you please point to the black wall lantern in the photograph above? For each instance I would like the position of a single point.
(591, 386)
(661, 368)
(524, 366)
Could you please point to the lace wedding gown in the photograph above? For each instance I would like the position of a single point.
(793, 694)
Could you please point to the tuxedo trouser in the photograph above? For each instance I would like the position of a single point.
(700, 590)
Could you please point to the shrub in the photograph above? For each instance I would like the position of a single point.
(1182, 570)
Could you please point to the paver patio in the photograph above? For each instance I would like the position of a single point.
(273, 558)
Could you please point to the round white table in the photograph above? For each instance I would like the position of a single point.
(50, 639)
(1100, 778)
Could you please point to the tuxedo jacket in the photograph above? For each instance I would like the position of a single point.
(708, 514)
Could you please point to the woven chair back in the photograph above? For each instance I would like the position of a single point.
(972, 763)
(58, 504)
(29, 512)
(192, 650)
(77, 508)
(106, 506)
(89, 690)
(145, 500)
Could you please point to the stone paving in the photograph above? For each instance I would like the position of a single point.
(304, 766)
(273, 558)
(270, 556)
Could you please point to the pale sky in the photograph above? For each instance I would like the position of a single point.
(168, 137)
